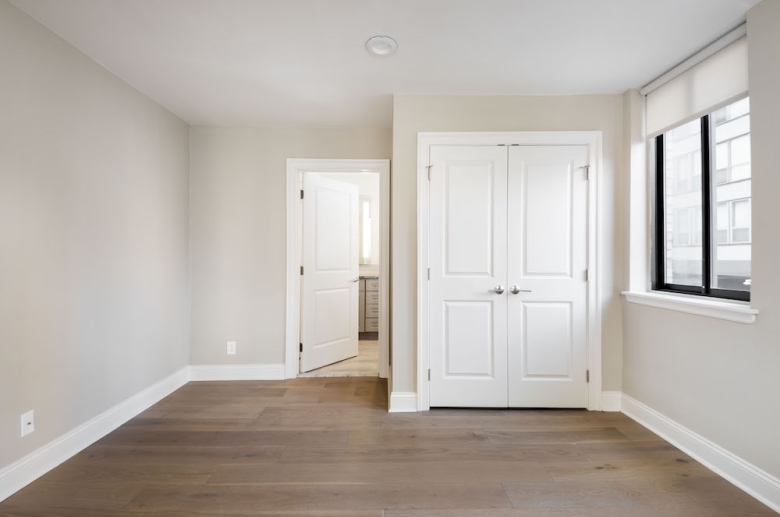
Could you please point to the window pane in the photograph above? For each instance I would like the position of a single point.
(740, 150)
(722, 216)
(740, 108)
(731, 228)
(697, 226)
(740, 172)
(722, 115)
(722, 157)
(741, 211)
(722, 223)
(682, 227)
(740, 235)
(682, 206)
(696, 170)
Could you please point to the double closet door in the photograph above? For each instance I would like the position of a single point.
(508, 276)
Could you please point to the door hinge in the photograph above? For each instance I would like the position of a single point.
(587, 275)
(300, 348)
(587, 375)
(301, 193)
(429, 273)
(301, 269)
(587, 171)
(429, 374)
(429, 171)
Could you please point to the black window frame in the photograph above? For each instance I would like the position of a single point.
(659, 281)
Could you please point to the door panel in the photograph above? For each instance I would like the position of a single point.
(547, 261)
(546, 198)
(468, 207)
(468, 331)
(333, 230)
(468, 347)
(329, 330)
(547, 340)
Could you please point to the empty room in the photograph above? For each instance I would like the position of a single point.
(407, 258)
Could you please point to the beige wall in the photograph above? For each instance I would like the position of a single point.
(237, 224)
(718, 378)
(413, 114)
(93, 237)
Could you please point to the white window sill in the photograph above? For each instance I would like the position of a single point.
(740, 312)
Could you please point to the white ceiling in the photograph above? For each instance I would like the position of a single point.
(302, 63)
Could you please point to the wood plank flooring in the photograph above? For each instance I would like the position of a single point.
(327, 447)
(365, 364)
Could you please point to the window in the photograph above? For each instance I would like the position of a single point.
(703, 205)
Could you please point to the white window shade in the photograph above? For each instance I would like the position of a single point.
(711, 84)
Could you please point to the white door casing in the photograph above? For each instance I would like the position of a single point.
(468, 254)
(329, 287)
(547, 268)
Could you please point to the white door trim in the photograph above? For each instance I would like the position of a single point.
(595, 209)
(296, 167)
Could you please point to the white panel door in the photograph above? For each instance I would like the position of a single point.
(547, 300)
(329, 286)
(468, 326)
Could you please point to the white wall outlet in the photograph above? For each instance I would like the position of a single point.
(28, 423)
(231, 348)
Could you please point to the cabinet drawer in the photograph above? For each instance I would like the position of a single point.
(372, 284)
(372, 325)
(372, 297)
(372, 310)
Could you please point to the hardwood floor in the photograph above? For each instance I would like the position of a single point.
(366, 364)
(328, 447)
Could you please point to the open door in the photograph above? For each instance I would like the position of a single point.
(329, 285)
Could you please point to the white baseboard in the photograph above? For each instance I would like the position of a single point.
(24, 471)
(610, 401)
(756, 482)
(403, 402)
(237, 372)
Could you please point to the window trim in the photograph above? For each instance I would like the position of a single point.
(659, 234)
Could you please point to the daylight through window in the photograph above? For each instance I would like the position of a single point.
(703, 207)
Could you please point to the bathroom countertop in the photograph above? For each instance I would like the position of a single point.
(369, 271)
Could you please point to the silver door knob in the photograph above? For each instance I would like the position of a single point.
(499, 289)
(356, 279)
(515, 290)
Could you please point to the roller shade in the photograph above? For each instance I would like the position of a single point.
(711, 84)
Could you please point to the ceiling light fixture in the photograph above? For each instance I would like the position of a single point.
(382, 45)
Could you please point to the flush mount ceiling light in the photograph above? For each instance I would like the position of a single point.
(382, 45)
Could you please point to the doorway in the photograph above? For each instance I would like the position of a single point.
(337, 268)
(508, 312)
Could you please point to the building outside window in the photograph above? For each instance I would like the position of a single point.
(703, 234)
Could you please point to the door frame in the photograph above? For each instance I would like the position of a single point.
(295, 168)
(593, 139)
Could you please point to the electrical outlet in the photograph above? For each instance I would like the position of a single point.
(231, 348)
(28, 423)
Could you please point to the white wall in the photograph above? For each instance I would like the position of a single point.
(93, 237)
(368, 183)
(413, 114)
(722, 379)
(237, 224)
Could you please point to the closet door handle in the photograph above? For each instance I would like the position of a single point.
(499, 289)
(516, 290)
